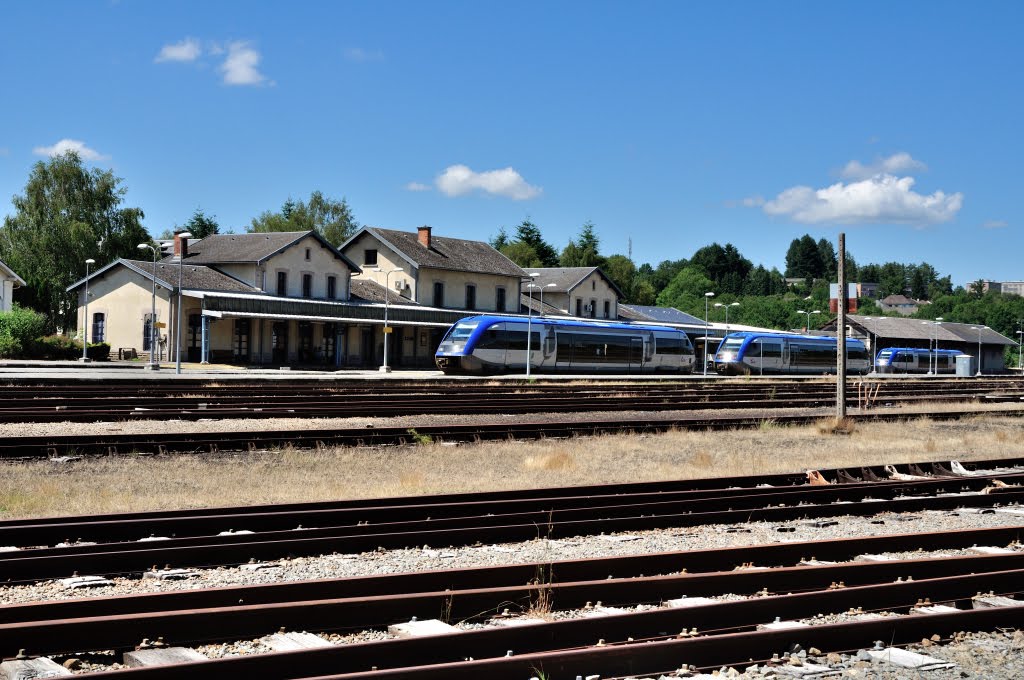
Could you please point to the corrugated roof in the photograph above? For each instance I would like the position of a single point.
(454, 254)
(918, 329)
(663, 314)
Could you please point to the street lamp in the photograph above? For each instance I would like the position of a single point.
(184, 236)
(152, 317)
(979, 329)
(387, 329)
(1020, 344)
(529, 320)
(726, 306)
(85, 321)
(816, 311)
(933, 331)
(707, 297)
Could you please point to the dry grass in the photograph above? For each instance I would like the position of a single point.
(128, 483)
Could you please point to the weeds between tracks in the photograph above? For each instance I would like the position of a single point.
(131, 483)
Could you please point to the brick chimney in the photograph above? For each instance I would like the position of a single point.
(424, 236)
(180, 245)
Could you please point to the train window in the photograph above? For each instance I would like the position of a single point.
(462, 331)
(517, 340)
(768, 350)
(665, 345)
(731, 345)
(600, 348)
(492, 338)
(857, 353)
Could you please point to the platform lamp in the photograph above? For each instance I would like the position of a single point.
(529, 320)
(184, 236)
(387, 329)
(1020, 344)
(707, 298)
(85, 320)
(938, 322)
(152, 365)
(979, 329)
(816, 311)
(726, 307)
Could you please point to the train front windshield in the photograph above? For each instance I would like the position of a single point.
(883, 357)
(729, 348)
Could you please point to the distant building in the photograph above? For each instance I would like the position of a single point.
(900, 304)
(8, 282)
(1008, 287)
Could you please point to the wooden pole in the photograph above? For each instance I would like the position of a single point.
(841, 334)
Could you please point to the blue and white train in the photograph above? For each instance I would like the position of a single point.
(760, 353)
(497, 344)
(916, 360)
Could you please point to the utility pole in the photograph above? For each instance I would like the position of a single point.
(841, 334)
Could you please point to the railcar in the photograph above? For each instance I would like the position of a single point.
(750, 353)
(498, 344)
(916, 360)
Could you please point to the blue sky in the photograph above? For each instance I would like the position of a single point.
(672, 124)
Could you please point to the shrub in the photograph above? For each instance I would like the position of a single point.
(99, 352)
(56, 347)
(18, 329)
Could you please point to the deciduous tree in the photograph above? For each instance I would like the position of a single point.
(333, 219)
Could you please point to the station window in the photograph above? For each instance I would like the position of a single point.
(282, 283)
(499, 299)
(370, 257)
(579, 307)
(438, 294)
(470, 296)
(332, 287)
(607, 309)
(308, 252)
(307, 285)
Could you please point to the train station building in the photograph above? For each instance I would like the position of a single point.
(284, 298)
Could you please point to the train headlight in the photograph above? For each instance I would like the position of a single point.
(726, 356)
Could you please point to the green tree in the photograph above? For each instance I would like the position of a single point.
(66, 215)
(201, 225)
(500, 239)
(528, 233)
(803, 259)
(688, 286)
(622, 271)
(522, 254)
(724, 265)
(331, 218)
(585, 251)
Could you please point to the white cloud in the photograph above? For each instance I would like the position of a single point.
(417, 186)
(882, 199)
(893, 165)
(240, 66)
(358, 54)
(753, 201)
(995, 224)
(186, 50)
(458, 180)
(65, 145)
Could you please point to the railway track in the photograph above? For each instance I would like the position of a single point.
(612, 640)
(130, 544)
(54, 446)
(63, 403)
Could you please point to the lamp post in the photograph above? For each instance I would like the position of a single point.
(85, 319)
(816, 311)
(387, 329)
(529, 320)
(177, 333)
(726, 307)
(1020, 344)
(938, 322)
(152, 365)
(707, 298)
(979, 329)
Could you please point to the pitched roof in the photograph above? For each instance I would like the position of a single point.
(257, 247)
(12, 274)
(525, 302)
(663, 314)
(454, 254)
(898, 300)
(371, 291)
(918, 329)
(193, 277)
(567, 278)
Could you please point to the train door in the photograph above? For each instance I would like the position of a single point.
(491, 347)
(636, 354)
